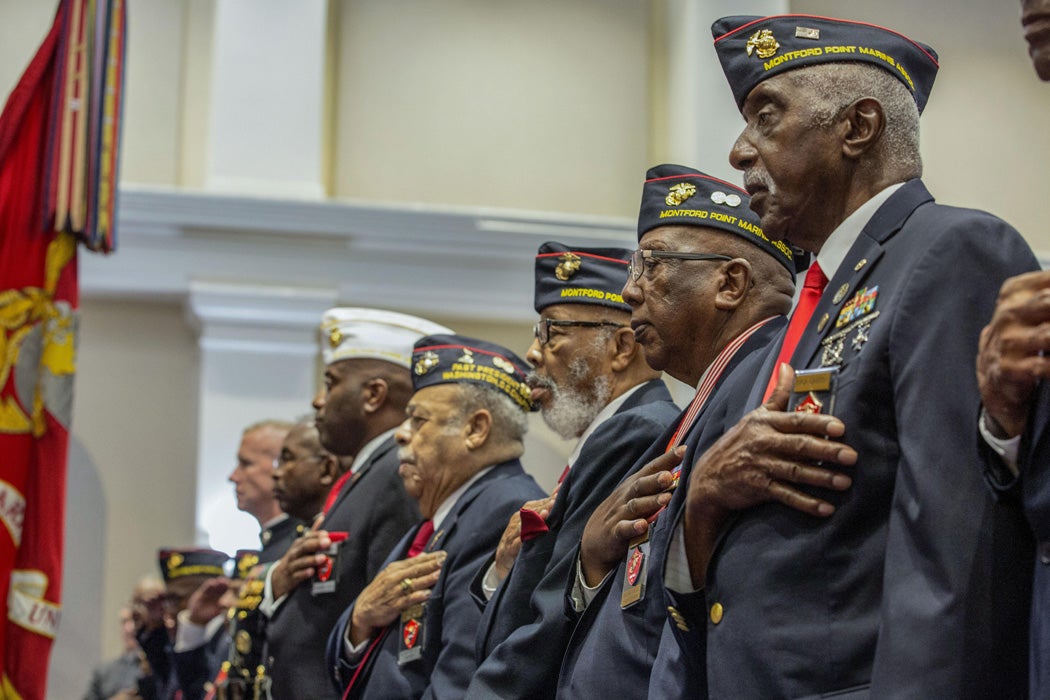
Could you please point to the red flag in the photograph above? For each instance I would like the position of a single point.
(38, 303)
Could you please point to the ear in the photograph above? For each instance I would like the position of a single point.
(329, 469)
(477, 427)
(373, 395)
(735, 280)
(624, 349)
(865, 121)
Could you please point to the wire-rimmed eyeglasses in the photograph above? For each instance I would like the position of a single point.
(542, 330)
(637, 267)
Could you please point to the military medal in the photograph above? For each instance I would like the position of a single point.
(262, 685)
(410, 643)
(813, 391)
(835, 344)
(862, 304)
(326, 577)
(636, 570)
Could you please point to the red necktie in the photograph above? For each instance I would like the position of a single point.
(812, 288)
(564, 473)
(426, 529)
(336, 489)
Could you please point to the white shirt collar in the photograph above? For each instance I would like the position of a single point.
(834, 250)
(603, 415)
(446, 505)
(272, 522)
(370, 447)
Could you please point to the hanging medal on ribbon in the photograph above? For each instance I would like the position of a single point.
(410, 643)
(326, 576)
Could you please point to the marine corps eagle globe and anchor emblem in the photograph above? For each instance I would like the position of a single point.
(763, 43)
(568, 265)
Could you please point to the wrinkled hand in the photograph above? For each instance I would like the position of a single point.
(760, 460)
(624, 515)
(204, 604)
(510, 542)
(300, 561)
(383, 600)
(1009, 359)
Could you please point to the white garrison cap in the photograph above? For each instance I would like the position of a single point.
(350, 333)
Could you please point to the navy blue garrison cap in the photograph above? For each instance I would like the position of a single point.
(567, 275)
(680, 196)
(457, 359)
(753, 48)
(177, 563)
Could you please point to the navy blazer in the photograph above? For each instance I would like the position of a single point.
(610, 642)
(376, 511)
(1031, 491)
(468, 535)
(918, 586)
(524, 628)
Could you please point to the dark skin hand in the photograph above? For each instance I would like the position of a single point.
(385, 598)
(1009, 363)
(758, 461)
(300, 561)
(510, 542)
(623, 516)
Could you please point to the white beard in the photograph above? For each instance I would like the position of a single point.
(569, 410)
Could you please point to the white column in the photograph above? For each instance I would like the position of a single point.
(703, 120)
(258, 359)
(267, 98)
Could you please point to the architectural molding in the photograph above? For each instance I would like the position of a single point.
(456, 262)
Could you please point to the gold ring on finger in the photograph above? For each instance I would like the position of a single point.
(406, 585)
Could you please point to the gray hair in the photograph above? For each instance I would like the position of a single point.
(509, 422)
(840, 84)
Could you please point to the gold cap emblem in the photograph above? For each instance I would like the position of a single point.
(467, 357)
(679, 193)
(503, 364)
(175, 561)
(427, 362)
(763, 43)
(335, 336)
(568, 265)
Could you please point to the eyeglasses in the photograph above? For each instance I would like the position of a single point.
(637, 267)
(542, 330)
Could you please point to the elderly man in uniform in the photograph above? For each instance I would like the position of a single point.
(411, 631)
(367, 355)
(904, 584)
(592, 383)
(707, 290)
(1010, 368)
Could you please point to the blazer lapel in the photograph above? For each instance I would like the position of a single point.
(856, 266)
(380, 452)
